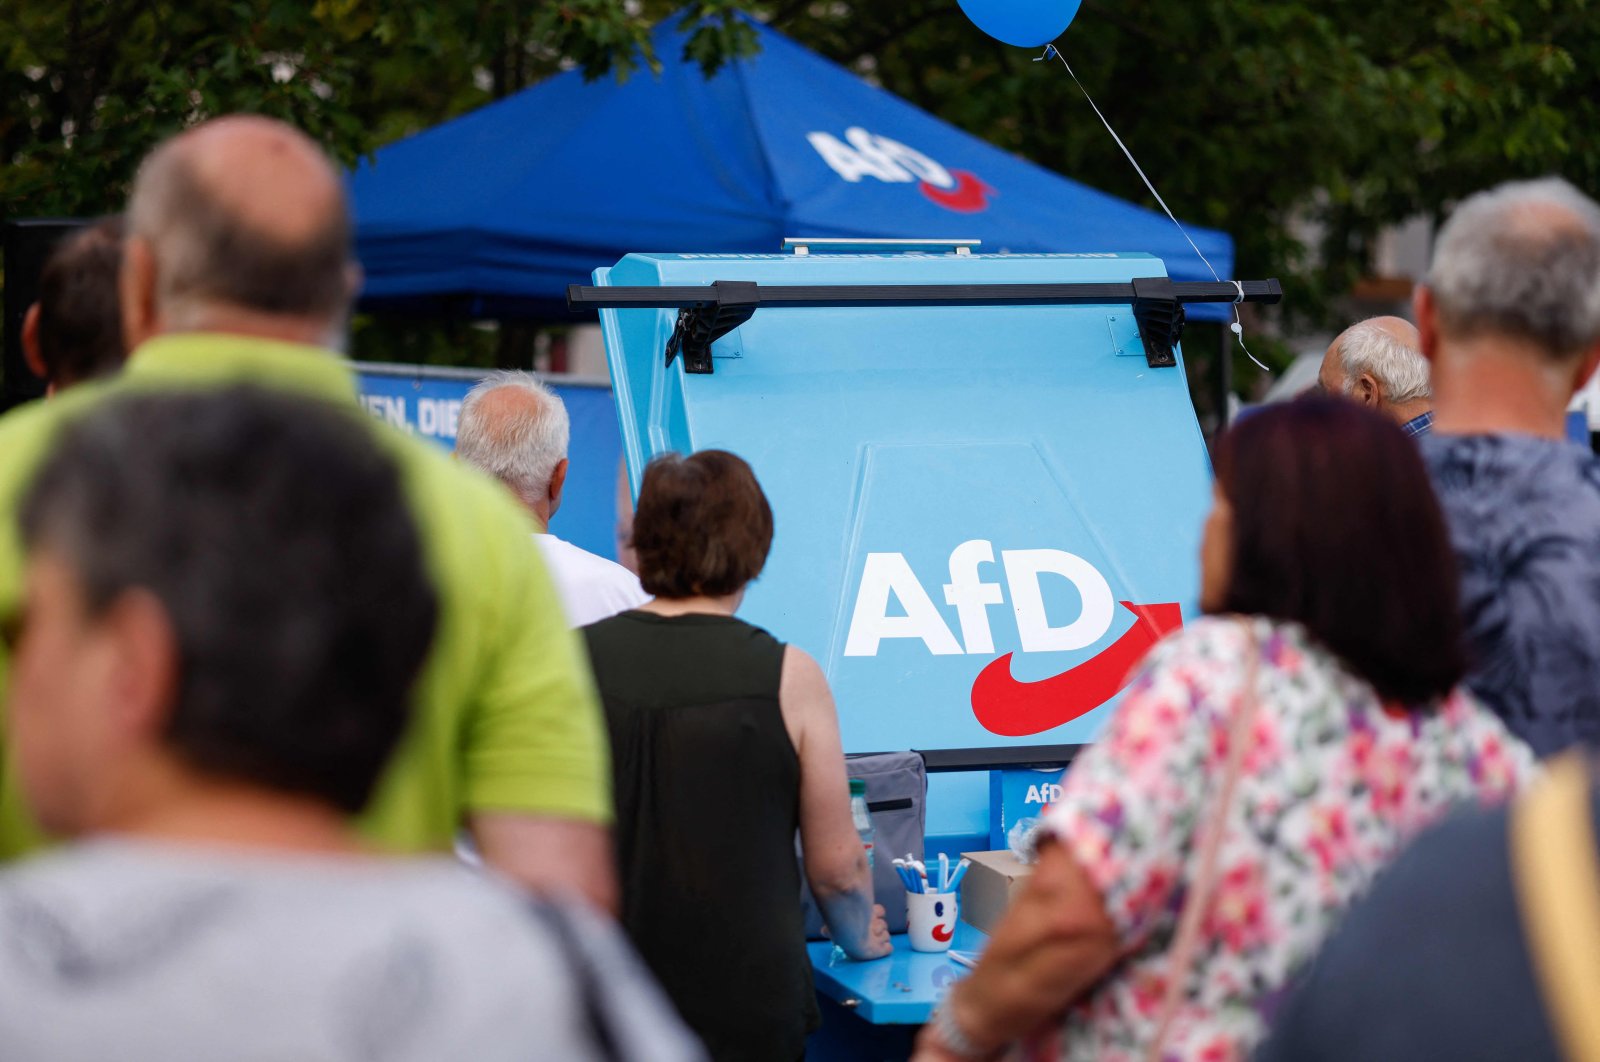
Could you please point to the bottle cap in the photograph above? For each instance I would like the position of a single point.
(858, 787)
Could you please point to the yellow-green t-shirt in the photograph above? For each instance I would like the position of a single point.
(505, 717)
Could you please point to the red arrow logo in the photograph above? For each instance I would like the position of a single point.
(969, 196)
(1015, 709)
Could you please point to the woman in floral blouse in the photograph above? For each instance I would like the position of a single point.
(1326, 561)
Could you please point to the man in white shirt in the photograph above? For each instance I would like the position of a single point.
(516, 429)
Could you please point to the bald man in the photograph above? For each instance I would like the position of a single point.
(1378, 362)
(237, 270)
(238, 227)
(516, 429)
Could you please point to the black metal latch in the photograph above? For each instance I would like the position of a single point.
(1160, 316)
(698, 327)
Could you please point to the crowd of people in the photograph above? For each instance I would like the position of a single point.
(268, 662)
(1403, 617)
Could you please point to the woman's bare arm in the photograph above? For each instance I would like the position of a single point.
(835, 863)
(1053, 944)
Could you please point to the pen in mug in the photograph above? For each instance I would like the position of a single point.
(909, 876)
(960, 872)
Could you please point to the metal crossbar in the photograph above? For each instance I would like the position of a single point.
(799, 296)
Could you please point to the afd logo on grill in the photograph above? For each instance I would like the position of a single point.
(888, 576)
(892, 603)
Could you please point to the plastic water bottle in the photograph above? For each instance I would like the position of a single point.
(862, 817)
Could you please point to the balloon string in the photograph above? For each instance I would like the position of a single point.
(1051, 51)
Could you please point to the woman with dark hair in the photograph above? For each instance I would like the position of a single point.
(1264, 763)
(724, 742)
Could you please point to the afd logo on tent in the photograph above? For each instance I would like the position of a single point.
(1001, 703)
(863, 154)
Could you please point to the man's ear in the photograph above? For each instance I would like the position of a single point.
(354, 277)
(30, 343)
(136, 290)
(1367, 390)
(1591, 361)
(147, 663)
(1426, 311)
(558, 482)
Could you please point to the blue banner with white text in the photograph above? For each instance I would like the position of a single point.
(427, 402)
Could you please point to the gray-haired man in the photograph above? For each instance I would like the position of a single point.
(1509, 317)
(517, 430)
(1376, 362)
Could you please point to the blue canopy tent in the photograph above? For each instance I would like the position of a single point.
(495, 213)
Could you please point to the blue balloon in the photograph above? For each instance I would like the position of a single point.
(1024, 23)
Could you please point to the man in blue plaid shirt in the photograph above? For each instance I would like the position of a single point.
(1377, 362)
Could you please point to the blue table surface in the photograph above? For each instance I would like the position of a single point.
(901, 989)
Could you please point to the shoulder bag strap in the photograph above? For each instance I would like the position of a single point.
(595, 1017)
(1556, 872)
(1209, 841)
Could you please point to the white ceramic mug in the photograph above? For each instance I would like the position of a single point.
(931, 920)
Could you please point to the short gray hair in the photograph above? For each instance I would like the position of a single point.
(1403, 371)
(1522, 259)
(520, 447)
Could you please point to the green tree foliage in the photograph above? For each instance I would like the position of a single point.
(1251, 115)
(87, 86)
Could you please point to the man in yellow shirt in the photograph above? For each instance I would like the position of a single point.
(237, 269)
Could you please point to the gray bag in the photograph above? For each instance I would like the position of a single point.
(897, 797)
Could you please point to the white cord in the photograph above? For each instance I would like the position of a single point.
(1238, 326)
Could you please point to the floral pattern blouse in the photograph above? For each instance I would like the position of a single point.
(1332, 784)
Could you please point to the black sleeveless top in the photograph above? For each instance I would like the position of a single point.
(707, 787)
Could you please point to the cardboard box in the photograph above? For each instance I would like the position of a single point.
(989, 887)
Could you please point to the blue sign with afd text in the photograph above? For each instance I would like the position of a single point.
(1016, 794)
(985, 514)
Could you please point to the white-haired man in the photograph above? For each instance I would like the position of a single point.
(1377, 362)
(1509, 317)
(517, 430)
